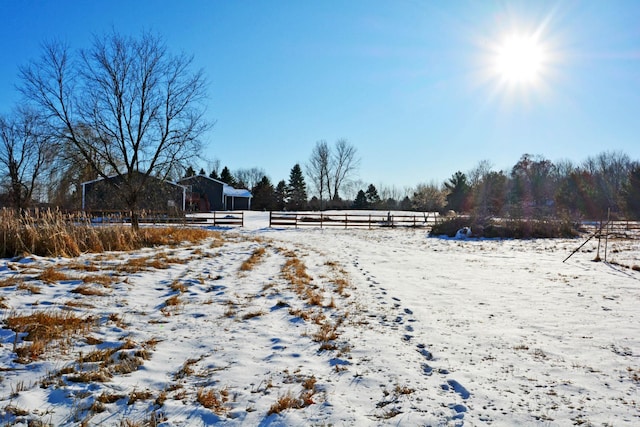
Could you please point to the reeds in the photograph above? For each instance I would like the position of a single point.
(53, 233)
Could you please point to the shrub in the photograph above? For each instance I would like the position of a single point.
(507, 228)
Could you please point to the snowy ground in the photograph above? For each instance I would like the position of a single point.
(390, 328)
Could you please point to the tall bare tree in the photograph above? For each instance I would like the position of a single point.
(344, 164)
(142, 105)
(329, 170)
(25, 152)
(318, 168)
(249, 178)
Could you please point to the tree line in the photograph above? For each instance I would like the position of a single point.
(535, 187)
(127, 107)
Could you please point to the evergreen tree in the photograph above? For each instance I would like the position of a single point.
(406, 204)
(361, 201)
(459, 191)
(373, 199)
(263, 195)
(280, 195)
(226, 177)
(214, 175)
(202, 172)
(189, 172)
(297, 190)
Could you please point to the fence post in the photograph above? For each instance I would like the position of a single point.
(346, 221)
(320, 220)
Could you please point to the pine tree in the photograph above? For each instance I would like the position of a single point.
(373, 199)
(214, 175)
(189, 172)
(297, 190)
(226, 177)
(280, 195)
(459, 192)
(202, 172)
(361, 201)
(263, 195)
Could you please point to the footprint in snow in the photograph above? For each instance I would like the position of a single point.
(456, 387)
(424, 352)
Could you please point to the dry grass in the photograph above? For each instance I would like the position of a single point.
(186, 369)
(290, 401)
(295, 271)
(10, 281)
(52, 233)
(42, 329)
(99, 279)
(177, 286)
(48, 326)
(136, 395)
(29, 287)
(51, 275)
(214, 400)
(173, 301)
(253, 260)
(88, 291)
(252, 315)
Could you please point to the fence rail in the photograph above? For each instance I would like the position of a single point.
(619, 228)
(215, 218)
(351, 220)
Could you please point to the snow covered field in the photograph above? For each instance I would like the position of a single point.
(329, 327)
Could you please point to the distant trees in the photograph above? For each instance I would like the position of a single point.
(329, 169)
(429, 198)
(25, 152)
(249, 177)
(631, 192)
(128, 106)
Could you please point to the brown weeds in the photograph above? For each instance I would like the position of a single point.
(214, 400)
(51, 275)
(52, 233)
(254, 259)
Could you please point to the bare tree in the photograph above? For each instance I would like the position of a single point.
(330, 170)
(142, 105)
(249, 177)
(343, 166)
(318, 168)
(25, 152)
(429, 198)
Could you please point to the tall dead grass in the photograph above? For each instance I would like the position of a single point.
(52, 233)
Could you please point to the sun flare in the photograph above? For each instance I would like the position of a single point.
(519, 59)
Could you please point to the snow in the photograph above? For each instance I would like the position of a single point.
(430, 332)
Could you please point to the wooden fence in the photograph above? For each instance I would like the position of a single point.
(351, 220)
(215, 218)
(625, 229)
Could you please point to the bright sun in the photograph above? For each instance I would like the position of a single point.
(519, 59)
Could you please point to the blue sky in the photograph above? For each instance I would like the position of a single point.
(410, 83)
